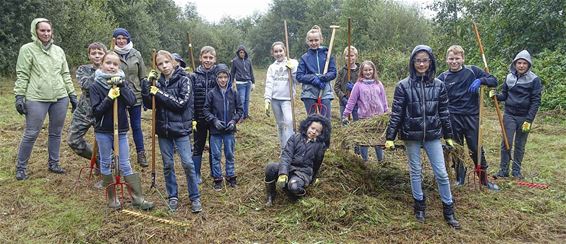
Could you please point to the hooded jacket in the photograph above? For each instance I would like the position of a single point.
(521, 93)
(173, 105)
(242, 69)
(223, 104)
(133, 66)
(420, 105)
(203, 82)
(42, 71)
(341, 85)
(311, 65)
(102, 105)
(302, 157)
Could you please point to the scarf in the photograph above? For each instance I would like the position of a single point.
(368, 81)
(124, 50)
(102, 78)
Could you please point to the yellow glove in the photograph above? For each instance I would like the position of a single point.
(153, 90)
(316, 182)
(267, 107)
(194, 126)
(114, 92)
(282, 180)
(526, 127)
(153, 75)
(450, 143)
(290, 64)
(492, 93)
(188, 69)
(389, 145)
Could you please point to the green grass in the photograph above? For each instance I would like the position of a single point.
(351, 204)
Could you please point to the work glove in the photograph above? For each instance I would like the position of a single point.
(116, 81)
(316, 182)
(344, 100)
(475, 86)
(526, 127)
(345, 121)
(194, 126)
(21, 104)
(231, 126)
(492, 93)
(114, 92)
(188, 70)
(253, 87)
(290, 64)
(282, 180)
(145, 87)
(153, 90)
(267, 107)
(389, 145)
(219, 124)
(317, 83)
(153, 75)
(450, 143)
(349, 86)
(74, 102)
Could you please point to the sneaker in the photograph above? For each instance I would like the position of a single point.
(518, 176)
(501, 174)
(55, 168)
(21, 174)
(231, 181)
(217, 185)
(196, 206)
(173, 203)
(142, 161)
(492, 186)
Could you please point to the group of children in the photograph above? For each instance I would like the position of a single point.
(425, 108)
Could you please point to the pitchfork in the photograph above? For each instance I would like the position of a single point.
(92, 166)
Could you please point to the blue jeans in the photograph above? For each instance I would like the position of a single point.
(354, 112)
(378, 153)
(244, 91)
(311, 110)
(135, 123)
(282, 111)
(433, 149)
(167, 145)
(105, 150)
(216, 142)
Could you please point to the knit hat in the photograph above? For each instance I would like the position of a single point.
(123, 32)
(179, 60)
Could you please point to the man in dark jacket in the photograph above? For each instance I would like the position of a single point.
(222, 110)
(522, 94)
(420, 116)
(301, 159)
(243, 74)
(463, 83)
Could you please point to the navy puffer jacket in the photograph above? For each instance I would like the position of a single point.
(203, 82)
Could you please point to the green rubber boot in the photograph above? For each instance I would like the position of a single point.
(113, 202)
(134, 184)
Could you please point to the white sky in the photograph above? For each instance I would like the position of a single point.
(214, 10)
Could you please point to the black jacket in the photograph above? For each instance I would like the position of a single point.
(227, 107)
(173, 104)
(203, 81)
(340, 87)
(420, 106)
(242, 69)
(102, 108)
(301, 157)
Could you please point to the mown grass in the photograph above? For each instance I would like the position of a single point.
(352, 203)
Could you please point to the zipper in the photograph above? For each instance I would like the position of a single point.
(317, 63)
(423, 107)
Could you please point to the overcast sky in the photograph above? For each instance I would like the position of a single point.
(214, 10)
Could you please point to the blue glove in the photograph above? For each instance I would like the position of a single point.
(349, 86)
(317, 83)
(475, 86)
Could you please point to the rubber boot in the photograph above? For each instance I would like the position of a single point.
(460, 170)
(197, 160)
(419, 209)
(134, 184)
(448, 212)
(142, 161)
(113, 202)
(85, 153)
(484, 181)
(270, 193)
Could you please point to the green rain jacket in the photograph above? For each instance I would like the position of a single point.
(42, 71)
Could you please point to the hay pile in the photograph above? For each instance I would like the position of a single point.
(365, 132)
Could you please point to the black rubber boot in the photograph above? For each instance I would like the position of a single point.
(270, 193)
(419, 209)
(448, 212)
(460, 170)
(113, 202)
(134, 183)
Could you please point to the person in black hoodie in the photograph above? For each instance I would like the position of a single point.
(243, 74)
(420, 116)
(174, 115)
(522, 94)
(102, 97)
(222, 110)
(301, 159)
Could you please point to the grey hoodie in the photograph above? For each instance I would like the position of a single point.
(242, 69)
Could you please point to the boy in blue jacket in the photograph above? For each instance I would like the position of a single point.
(222, 110)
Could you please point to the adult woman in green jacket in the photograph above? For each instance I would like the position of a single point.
(43, 86)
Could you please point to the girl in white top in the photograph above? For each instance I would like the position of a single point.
(277, 95)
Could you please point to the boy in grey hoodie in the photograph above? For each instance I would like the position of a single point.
(243, 74)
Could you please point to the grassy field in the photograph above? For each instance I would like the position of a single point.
(352, 203)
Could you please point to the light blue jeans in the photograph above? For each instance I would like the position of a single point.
(433, 149)
(283, 117)
(105, 150)
(244, 91)
(378, 153)
(216, 142)
(167, 147)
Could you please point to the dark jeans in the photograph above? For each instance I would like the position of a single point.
(135, 123)
(200, 136)
(326, 106)
(295, 186)
(513, 129)
(466, 127)
(216, 142)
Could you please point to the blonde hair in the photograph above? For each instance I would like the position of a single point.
(361, 72)
(207, 49)
(278, 43)
(167, 55)
(315, 29)
(456, 49)
(110, 54)
(353, 50)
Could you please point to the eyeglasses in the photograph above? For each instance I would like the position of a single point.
(421, 61)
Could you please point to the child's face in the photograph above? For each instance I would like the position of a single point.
(242, 53)
(222, 80)
(422, 62)
(95, 56)
(352, 58)
(43, 31)
(454, 61)
(121, 41)
(111, 64)
(314, 130)
(367, 71)
(278, 52)
(314, 40)
(164, 64)
(521, 66)
(207, 60)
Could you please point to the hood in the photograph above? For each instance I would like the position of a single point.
(431, 73)
(203, 71)
(242, 47)
(34, 33)
(177, 74)
(525, 55)
(326, 128)
(320, 49)
(222, 68)
(179, 60)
